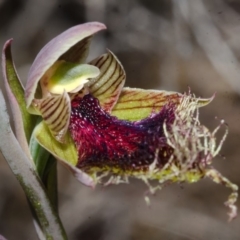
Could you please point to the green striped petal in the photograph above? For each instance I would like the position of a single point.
(108, 85)
(55, 111)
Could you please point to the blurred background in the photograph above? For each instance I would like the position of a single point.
(163, 44)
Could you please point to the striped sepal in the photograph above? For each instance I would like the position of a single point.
(56, 111)
(108, 85)
(135, 104)
(78, 53)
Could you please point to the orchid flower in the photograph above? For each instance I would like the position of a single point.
(105, 132)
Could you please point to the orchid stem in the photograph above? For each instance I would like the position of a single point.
(20, 164)
(46, 167)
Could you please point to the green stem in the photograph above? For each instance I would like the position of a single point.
(49, 221)
(50, 181)
(46, 167)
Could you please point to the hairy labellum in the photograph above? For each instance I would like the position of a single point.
(105, 141)
(170, 145)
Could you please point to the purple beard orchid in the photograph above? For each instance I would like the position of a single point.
(105, 132)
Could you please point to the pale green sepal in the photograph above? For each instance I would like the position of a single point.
(23, 121)
(135, 104)
(66, 153)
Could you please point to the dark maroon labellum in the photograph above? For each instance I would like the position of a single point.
(105, 141)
